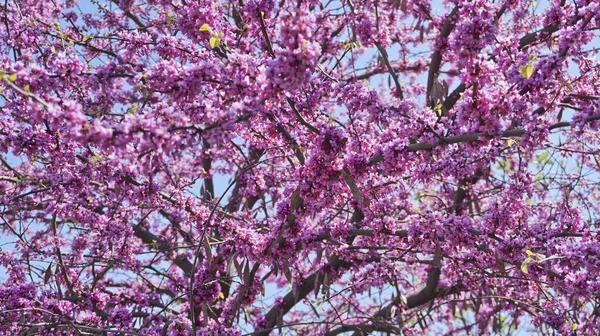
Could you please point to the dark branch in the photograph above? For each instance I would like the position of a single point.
(436, 58)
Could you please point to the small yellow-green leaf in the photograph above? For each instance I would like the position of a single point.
(542, 156)
(566, 84)
(12, 77)
(524, 266)
(27, 88)
(529, 253)
(526, 70)
(569, 86)
(510, 142)
(438, 109)
(214, 41)
(221, 296)
(205, 27)
(96, 158)
(574, 326)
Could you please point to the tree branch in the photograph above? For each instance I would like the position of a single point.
(436, 58)
(386, 61)
(162, 246)
(308, 285)
(467, 137)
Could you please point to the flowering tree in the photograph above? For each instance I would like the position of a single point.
(255, 167)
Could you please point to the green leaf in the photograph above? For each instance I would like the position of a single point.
(170, 18)
(205, 27)
(529, 253)
(566, 84)
(215, 41)
(96, 158)
(524, 264)
(542, 157)
(526, 70)
(570, 87)
(438, 109)
(12, 77)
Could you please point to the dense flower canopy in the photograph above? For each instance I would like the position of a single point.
(255, 167)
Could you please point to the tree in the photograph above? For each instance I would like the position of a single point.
(258, 167)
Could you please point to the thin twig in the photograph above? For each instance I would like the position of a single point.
(300, 118)
(263, 28)
(386, 61)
